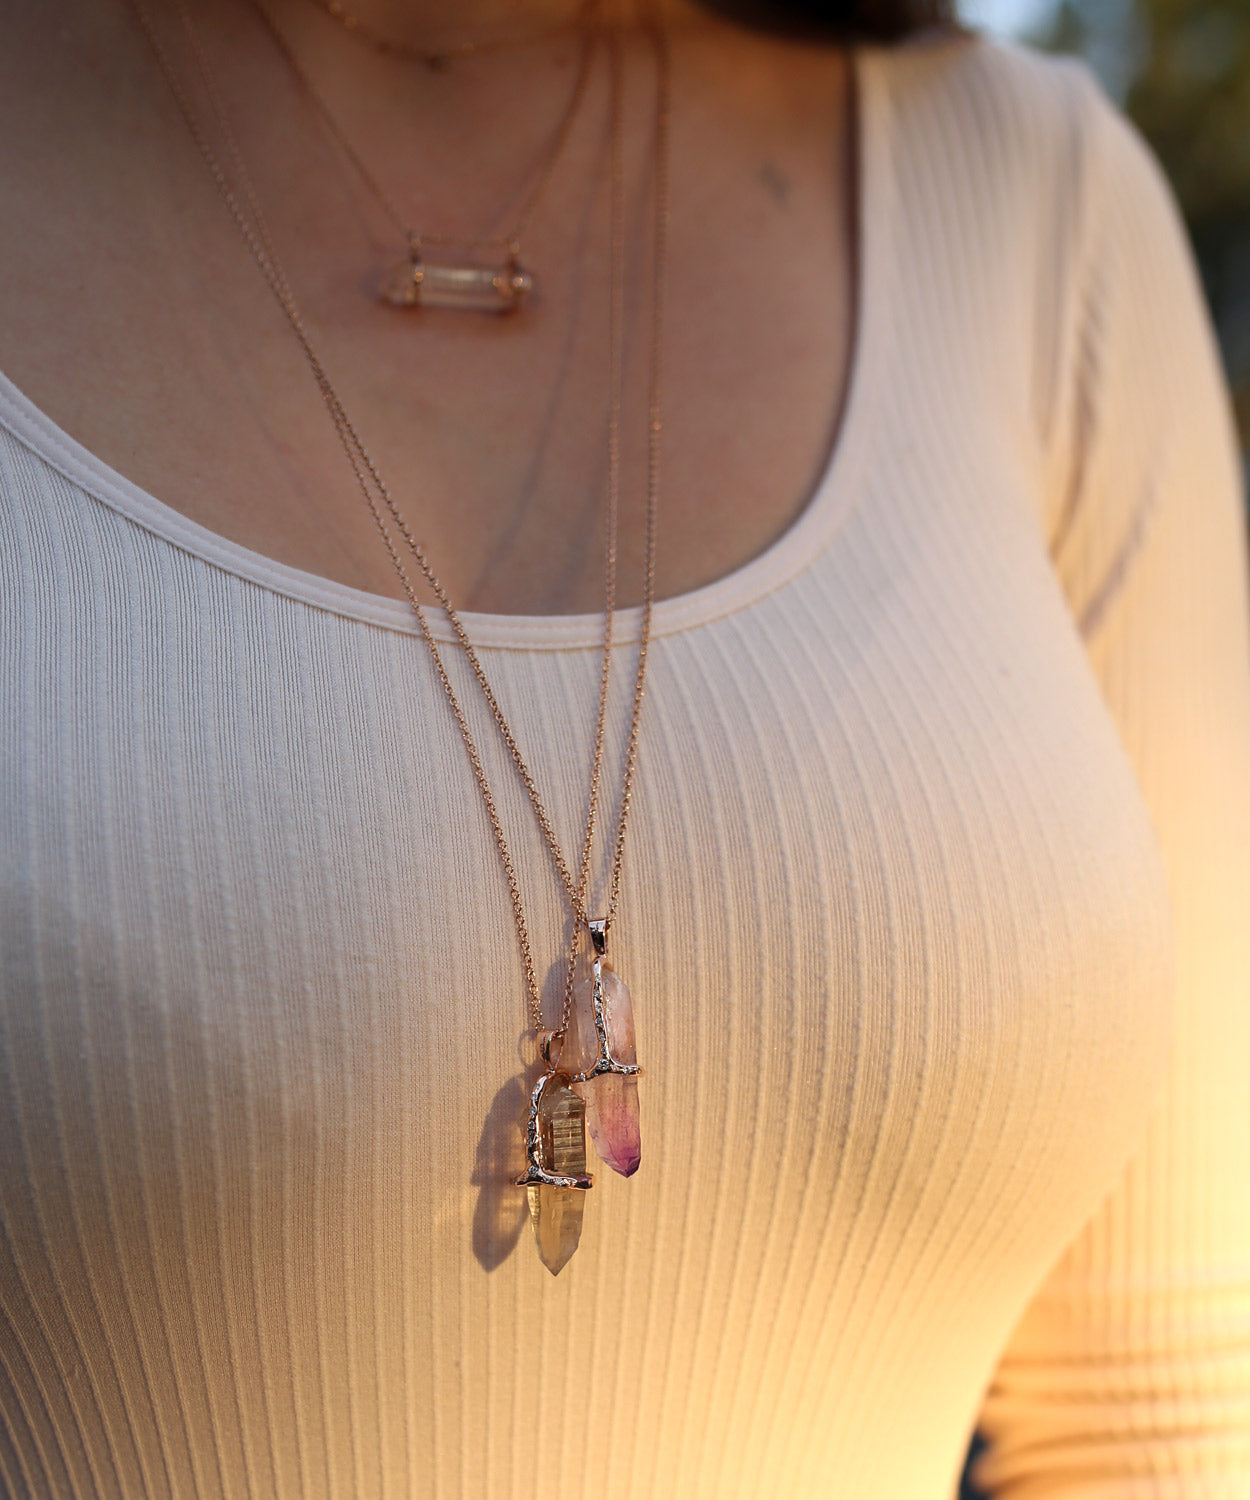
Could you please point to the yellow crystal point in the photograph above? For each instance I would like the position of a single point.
(556, 1212)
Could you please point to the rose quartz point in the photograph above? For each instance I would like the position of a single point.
(612, 1118)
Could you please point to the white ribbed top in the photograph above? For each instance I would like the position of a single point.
(946, 1115)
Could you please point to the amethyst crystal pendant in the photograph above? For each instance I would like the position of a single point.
(607, 1062)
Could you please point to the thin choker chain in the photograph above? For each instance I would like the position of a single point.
(438, 58)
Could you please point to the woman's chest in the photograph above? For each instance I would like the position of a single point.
(889, 902)
(894, 925)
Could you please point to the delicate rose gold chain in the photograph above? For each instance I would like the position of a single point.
(616, 320)
(416, 238)
(436, 57)
(659, 258)
(255, 235)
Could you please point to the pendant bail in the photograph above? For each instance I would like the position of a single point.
(599, 936)
(547, 1042)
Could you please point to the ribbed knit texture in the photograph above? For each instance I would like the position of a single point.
(935, 914)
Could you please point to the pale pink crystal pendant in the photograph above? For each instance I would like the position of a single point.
(420, 282)
(607, 1063)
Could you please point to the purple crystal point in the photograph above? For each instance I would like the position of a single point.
(612, 1120)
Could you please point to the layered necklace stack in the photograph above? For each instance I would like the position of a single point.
(588, 1064)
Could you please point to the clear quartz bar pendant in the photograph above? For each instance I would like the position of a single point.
(421, 282)
(555, 1176)
(606, 1058)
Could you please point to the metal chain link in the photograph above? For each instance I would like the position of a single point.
(258, 241)
(416, 238)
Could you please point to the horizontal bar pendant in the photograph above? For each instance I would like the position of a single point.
(426, 283)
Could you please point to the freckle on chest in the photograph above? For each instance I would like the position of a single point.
(776, 181)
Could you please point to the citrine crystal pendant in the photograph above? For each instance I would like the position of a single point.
(555, 1176)
(421, 282)
(592, 1081)
(607, 1062)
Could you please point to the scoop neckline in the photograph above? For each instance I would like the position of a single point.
(829, 505)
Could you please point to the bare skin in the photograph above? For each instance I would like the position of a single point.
(132, 314)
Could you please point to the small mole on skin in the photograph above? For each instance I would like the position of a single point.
(776, 181)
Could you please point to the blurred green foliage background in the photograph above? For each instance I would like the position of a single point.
(1181, 69)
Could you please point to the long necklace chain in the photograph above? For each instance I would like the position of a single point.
(510, 240)
(439, 57)
(374, 490)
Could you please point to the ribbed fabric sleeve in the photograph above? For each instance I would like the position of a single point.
(933, 910)
(1129, 1374)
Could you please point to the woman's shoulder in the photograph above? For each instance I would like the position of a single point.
(1008, 114)
(1021, 82)
(1015, 147)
